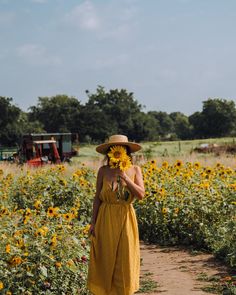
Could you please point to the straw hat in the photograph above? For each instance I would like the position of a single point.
(118, 139)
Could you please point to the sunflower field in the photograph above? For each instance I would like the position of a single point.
(45, 215)
(192, 205)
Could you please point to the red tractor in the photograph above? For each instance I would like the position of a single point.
(39, 149)
(40, 157)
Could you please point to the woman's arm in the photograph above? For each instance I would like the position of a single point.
(96, 201)
(136, 187)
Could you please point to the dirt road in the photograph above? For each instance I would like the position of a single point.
(176, 270)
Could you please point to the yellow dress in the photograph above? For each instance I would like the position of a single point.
(114, 264)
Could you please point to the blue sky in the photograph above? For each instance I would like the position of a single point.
(172, 54)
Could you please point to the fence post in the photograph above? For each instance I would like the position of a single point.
(179, 146)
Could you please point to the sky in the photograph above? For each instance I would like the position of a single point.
(172, 54)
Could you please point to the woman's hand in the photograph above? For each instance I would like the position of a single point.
(92, 230)
(122, 175)
(135, 186)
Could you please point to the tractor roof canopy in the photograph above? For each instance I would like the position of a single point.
(44, 141)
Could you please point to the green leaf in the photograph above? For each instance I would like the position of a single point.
(44, 270)
(29, 274)
(76, 240)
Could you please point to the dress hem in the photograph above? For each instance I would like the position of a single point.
(96, 290)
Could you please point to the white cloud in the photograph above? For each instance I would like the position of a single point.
(121, 25)
(37, 55)
(84, 16)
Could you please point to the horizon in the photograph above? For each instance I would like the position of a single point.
(83, 102)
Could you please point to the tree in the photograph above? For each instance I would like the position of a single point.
(111, 112)
(164, 124)
(28, 126)
(182, 127)
(58, 113)
(218, 118)
(146, 127)
(9, 127)
(197, 121)
(95, 124)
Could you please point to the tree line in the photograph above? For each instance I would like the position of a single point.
(112, 112)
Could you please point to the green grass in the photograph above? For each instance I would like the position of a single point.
(181, 148)
(215, 285)
(167, 150)
(147, 284)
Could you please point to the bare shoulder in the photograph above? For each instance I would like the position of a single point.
(137, 169)
(102, 170)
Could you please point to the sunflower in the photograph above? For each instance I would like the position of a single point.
(20, 243)
(45, 229)
(16, 260)
(28, 212)
(113, 164)
(233, 185)
(164, 210)
(196, 165)
(162, 191)
(165, 164)
(52, 211)
(4, 211)
(178, 163)
(62, 182)
(117, 153)
(68, 216)
(61, 168)
(26, 219)
(42, 231)
(37, 204)
(17, 233)
(125, 163)
(70, 262)
(74, 212)
(8, 248)
(153, 163)
(208, 170)
(176, 210)
(58, 264)
(53, 242)
(86, 229)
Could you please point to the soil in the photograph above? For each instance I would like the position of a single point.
(176, 269)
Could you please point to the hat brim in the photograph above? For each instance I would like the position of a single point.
(102, 148)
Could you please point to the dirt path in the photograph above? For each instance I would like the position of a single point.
(176, 270)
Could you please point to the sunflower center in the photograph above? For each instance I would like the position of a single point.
(117, 154)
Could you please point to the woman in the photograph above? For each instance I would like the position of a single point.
(114, 254)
